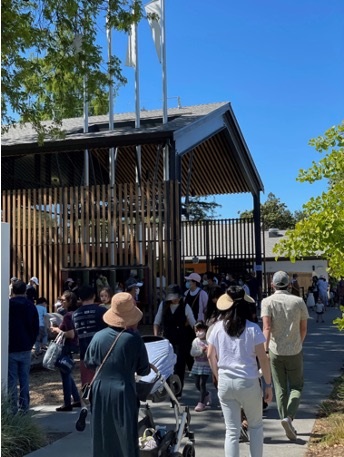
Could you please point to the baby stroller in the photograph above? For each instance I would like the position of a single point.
(161, 384)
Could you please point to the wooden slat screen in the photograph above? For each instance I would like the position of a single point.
(53, 230)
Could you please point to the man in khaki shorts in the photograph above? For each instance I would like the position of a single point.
(285, 327)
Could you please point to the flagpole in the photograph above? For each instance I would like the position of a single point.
(163, 63)
(112, 168)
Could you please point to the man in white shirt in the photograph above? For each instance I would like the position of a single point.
(285, 327)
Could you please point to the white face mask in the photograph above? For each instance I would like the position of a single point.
(187, 284)
(200, 334)
(227, 278)
(137, 291)
(205, 283)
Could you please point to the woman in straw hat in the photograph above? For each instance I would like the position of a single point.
(114, 401)
(234, 344)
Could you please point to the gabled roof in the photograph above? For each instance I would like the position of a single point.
(220, 164)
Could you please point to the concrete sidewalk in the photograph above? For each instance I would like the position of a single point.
(324, 357)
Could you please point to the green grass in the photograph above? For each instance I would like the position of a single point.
(20, 435)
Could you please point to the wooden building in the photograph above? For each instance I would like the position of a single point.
(110, 200)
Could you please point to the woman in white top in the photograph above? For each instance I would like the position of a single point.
(171, 320)
(234, 344)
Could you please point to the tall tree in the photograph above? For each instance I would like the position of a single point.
(322, 229)
(196, 209)
(274, 214)
(48, 48)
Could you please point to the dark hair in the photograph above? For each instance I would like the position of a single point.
(235, 318)
(210, 275)
(86, 293)
(212, 312)
(19, 287)
(200, 325)
(72, 300)
(41, 300)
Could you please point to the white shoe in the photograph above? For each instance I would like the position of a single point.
(207, 399)
(289, 429)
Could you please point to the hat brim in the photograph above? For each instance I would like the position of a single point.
(171, 297)
(128, 319)
(225, 302)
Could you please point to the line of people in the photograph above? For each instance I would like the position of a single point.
(228, 351)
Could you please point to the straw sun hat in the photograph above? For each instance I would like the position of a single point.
(225, 302)
(123, 312)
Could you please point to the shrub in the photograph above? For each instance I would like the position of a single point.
(20, 434)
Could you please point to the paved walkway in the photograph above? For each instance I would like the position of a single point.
(324, 357)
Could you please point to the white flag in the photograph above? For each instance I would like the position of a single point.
(155, 7)
(130, 60)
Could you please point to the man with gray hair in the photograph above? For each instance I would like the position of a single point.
(285, 327)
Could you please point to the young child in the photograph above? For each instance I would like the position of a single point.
(320, 309)
(201, 368)
(105, 296)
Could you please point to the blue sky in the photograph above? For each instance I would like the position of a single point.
(279, 63)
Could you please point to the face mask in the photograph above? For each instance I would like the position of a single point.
(227, 278)
(187, 284)
(205, 283)
(200, 334)
(137, 291)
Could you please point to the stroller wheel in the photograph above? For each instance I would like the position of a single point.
(189, 450)
(175, 384)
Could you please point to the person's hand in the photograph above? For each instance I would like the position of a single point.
(268, 394)
(54, 329)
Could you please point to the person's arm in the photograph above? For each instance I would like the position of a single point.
(158, 320)
(212, 357)
(189, 315)
(265, 367)
(267, 331)
(303, 330)
(203, 302)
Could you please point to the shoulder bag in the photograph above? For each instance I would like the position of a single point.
(86, 388)
(53, 352)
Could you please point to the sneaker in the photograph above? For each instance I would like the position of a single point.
(289, 429)
(64, 408)
(81, 422)
(200, 407)
(76, 404)
(207, 399)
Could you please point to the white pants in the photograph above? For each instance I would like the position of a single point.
(235, 393)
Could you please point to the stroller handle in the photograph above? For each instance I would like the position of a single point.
(154, 368)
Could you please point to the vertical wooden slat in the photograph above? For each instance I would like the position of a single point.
(97, 224)
(52, 258)
(83, 247)
(111, 229)
(105, 226)
(29, 227)
(40, 247)
(23, 227)
(93, 225)
(120, 225)
(66, 227)
(77, 228)
(160, 201)
(71, 226)
(85, 220)
(132, 225)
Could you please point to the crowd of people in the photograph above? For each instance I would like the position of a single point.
(212, 324)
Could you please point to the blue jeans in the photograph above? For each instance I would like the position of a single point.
(235, 393)
(69, 387)
(19, 364)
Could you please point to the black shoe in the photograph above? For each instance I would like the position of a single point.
(76, 404)
(65, 408)
(81, 422)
